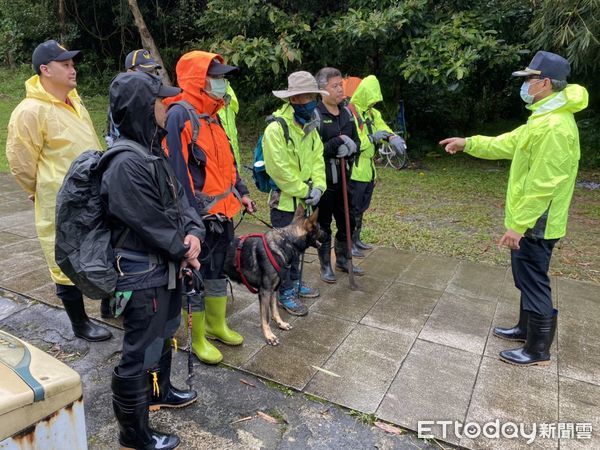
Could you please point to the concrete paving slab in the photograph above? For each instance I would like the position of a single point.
(477, 281)
(16, 267)
(22, 248)
(579, 346)
(460, 322)
(404, 308)
(579, 404)
(17, 220)
(434, 383)
(385, 263)
(430, 271)
(366, 362)
(513, 394)
(8, 307)
(310, 343)
(345, 304)
(7, 238)
(29, 280)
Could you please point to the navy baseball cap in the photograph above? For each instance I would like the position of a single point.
(141, 60)
(215, 69)
(546, 65)
(51, 51)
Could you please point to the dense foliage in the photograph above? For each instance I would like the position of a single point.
(449, 60)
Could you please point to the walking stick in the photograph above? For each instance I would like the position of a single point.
(190, 291)
(353, 285)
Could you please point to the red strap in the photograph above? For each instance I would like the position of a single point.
(238, 258)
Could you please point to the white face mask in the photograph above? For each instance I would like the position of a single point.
(524, 92)
(218, 87)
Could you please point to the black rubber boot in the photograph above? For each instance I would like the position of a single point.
(356, 252)
(327, 273)
(536, 351)
(82, 326)
(106, 311)
(516, 333)
(341, 259)
(360, 244)
(164, 394)
(131, 397)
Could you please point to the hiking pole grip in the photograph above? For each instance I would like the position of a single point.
(353, 285)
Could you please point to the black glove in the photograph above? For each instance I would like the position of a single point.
(313, 197)
(348, 142)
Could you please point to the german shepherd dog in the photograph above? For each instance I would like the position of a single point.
(255, 264)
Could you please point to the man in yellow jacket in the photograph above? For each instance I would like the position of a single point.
(545, 158)
(46, 132)
(372, 130)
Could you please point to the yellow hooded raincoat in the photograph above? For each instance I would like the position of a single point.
(367, 94)
(545, 158)
(44, 136)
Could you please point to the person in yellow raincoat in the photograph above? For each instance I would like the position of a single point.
(46, 132)
(227, 115)
(545, 158)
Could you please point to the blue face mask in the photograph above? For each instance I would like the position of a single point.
(524, 92)
(303, 113)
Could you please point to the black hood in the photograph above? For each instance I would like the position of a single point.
(132, 96)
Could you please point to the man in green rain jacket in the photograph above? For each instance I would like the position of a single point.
(297, 167)
(373, 131)
(227, 116)
(545, 158)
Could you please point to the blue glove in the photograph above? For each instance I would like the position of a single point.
(348, 142)
(313, 197)
(398, 144)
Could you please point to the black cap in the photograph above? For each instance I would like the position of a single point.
(168, 91)
(141, 60)
(216, 69)
(546, 65)
(51, 51)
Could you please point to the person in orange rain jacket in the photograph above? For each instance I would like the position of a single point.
(207, 170)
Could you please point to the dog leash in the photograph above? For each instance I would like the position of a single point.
(253, 215)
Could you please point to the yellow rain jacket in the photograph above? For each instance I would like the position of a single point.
(227, 116)
(367, 94)
(545, 158)
(292, 164)
(44, 136)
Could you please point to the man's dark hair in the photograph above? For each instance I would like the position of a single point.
(325, 74)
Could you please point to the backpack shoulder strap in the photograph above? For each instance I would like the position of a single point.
(122, 145)
(193, 115)
(281, 121)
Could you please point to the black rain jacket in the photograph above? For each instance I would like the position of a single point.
(147, 203)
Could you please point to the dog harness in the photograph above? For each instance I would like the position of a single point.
(238, 258)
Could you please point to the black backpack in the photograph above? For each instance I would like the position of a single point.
(83, 248)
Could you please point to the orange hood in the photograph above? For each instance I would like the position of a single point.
(191, 72)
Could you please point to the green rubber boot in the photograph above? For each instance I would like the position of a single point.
(204, 350)
(216, 325)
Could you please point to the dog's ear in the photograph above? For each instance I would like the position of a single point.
(299, 214)
(312, 220)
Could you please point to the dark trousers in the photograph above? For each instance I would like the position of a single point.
(361, 193)
(219, 236)
(150, 317)
(332, 206)
(530, 266)
(280, 219)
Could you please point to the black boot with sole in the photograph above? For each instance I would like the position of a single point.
(536, 351)
(131, 398)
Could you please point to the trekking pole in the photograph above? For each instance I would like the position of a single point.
(190, 291)
(353, 285)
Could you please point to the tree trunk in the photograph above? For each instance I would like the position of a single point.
(147, 40)
(62, 22)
